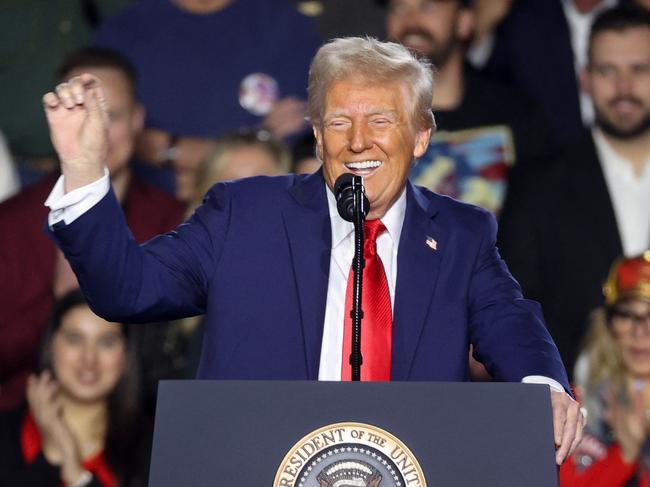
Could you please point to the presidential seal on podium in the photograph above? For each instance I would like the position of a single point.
(349, 454)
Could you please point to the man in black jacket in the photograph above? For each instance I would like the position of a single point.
(564, 224)
(484, 127)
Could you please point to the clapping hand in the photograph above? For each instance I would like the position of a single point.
(59, 444)
(628, 423)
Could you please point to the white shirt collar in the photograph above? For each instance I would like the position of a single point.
(612, 162)
(574, 15)
(393, 220)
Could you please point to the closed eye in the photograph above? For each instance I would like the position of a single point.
(337, 124)
(381, 122)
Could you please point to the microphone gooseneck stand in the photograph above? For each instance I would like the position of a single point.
(353, 206)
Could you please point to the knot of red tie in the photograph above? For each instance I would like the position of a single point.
(372, 229)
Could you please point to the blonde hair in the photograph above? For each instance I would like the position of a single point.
(375, 62)
(602, 353)
(212, 167)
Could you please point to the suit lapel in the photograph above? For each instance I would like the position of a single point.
(417, 273)
(309, 233)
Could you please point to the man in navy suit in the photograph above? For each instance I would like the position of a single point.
(268, 259)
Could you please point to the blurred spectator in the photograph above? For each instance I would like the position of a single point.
(34, 271)
(343, 18)
(84, 425)
(540, 49)
(9, 183)
(304, 158)
(613, 377)
(483, 127)
(563, 225)
(242, 155)
(307, 165)
(211, 67)
(184, 158)
(35, 36)
(489, 15)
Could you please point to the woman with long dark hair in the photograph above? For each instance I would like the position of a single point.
(83, 425)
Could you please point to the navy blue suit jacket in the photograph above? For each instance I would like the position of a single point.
(255, 256)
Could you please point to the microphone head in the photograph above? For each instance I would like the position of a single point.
(344, 191)
(343, 182)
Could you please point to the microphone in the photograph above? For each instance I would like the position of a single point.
(353, 206)
(345, 187)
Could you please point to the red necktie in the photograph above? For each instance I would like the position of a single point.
(377, 323)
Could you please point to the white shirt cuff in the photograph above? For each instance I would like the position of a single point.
(67, 207)
(542, 379)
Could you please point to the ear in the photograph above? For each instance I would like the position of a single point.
(137, 118)
(465, 24)
(422, 139)
(318, 135)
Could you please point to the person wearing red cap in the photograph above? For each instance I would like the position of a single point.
(613, 375)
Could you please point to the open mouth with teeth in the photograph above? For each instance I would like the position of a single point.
(363, 168)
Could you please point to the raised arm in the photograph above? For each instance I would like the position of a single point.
(164, 279)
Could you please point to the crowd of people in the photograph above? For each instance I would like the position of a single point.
(541, 115)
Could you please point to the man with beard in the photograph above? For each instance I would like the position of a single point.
(563, 226)
(535, 34)
(483, 127)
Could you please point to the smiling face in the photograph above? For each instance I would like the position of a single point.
(367, 130)
(88, 355)
(618, 80)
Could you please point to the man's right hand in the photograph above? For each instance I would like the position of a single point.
(78, 119)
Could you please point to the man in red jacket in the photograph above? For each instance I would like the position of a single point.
(34, 272)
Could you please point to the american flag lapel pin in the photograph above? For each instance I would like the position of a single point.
(431, 242)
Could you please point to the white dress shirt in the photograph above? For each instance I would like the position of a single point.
(340, 263)
(630, 196)
(68, 207)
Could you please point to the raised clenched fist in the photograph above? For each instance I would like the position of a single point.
(78, 120)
